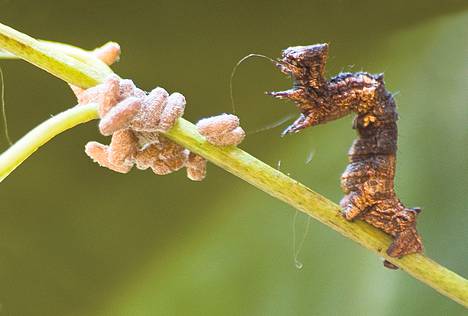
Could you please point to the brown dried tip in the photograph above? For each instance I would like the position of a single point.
(222, 130)
(196, 167)
(109, 53)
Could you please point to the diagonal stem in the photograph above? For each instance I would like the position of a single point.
(233, 159)
(41, 134)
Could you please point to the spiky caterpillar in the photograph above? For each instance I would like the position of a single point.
(368, 181)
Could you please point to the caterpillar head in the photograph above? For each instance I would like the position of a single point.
(305, 64)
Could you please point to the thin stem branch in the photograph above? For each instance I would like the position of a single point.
(232, 159)
(41, 134)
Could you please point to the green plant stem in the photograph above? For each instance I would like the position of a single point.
(59, 64)
(232, 159)
(41, 134)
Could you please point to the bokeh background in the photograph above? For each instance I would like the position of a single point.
(76, 239)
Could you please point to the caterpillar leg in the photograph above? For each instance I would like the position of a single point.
(406, 238)
(301, 123)
(353, 205)
(405, 243)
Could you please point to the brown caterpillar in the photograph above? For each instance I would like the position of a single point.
(368, 181)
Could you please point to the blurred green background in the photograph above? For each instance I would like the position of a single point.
(76, 239)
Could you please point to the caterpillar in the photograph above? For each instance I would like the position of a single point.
(368, 181)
